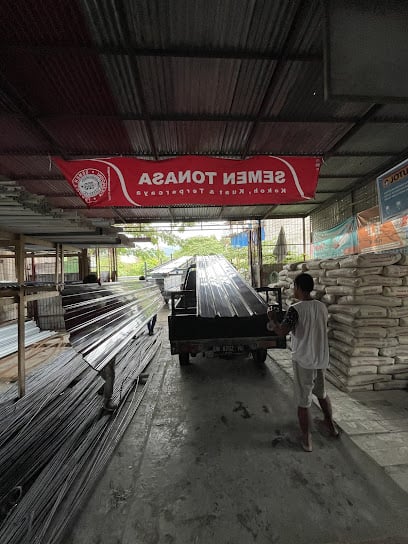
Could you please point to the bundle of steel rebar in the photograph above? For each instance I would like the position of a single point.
(57, 439)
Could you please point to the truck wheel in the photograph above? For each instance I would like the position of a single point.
(259, 355)
(184, 359)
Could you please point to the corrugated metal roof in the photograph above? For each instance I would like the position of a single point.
(353, 166)
(370, 138)
(47, 187)
(296, 138)
(15, 135)
(90, 136)
(154, 78)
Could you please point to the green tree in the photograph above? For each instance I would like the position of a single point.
(210, 245)
(200, 245)
(145, 259)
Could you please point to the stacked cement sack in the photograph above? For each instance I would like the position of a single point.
(367, 299)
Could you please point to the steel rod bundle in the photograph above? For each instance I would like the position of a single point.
(61, 445)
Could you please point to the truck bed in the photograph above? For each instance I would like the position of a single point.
(219, 309)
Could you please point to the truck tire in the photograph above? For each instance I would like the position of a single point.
(184, 359)
(259, 355)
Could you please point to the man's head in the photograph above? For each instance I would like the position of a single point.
(303, 283)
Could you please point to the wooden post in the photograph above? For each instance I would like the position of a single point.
(21, 314)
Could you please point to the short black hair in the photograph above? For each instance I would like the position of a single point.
(304, 282)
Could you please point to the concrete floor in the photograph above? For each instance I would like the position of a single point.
(212, 456)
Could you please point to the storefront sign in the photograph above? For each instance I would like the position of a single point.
(206, 181)
(392, 187)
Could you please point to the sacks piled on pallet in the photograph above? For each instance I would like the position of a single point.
(366, 325)
(367, 298)
(286, 277)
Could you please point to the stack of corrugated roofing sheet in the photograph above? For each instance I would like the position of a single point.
(8, 337)
(222, 291)
(102, 318)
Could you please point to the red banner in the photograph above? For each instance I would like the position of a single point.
(207, 181)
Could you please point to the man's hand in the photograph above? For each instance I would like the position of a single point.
(272, 315)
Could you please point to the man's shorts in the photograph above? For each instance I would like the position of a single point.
(308, 382)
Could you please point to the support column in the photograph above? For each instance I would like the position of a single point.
(57, 268)
(62, 266)
(83, 264)
(115, 264)
(21, 314)
(304, 238)
(259, 254)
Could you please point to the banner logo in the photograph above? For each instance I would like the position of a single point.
(90, 183)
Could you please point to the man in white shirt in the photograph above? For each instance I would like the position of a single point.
(307, 323)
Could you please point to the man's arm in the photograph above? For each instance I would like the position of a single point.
(287, 325)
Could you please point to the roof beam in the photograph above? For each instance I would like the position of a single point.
(357, 125)
(174, 117)
(107, 152)
(191, 52)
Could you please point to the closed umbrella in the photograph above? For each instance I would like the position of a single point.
(281, 248)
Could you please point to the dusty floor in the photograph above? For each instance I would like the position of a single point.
(212, 456)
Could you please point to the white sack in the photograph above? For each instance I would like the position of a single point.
(371, 300)
(393, 384)
(359, 311)
(395, 291)
(395, 271)
(370, 260)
